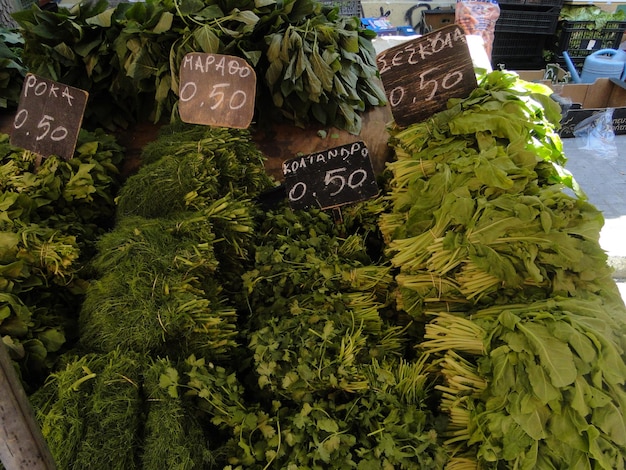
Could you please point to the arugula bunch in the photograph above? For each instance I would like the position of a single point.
(52, 214)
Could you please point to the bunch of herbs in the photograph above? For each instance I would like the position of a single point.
(498, 252)
(53, 211)
(314, 64)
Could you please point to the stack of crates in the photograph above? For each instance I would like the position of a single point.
(581, 38)
(346, 7)
(523, 32)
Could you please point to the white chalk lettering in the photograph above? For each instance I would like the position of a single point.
(43, 88)
(415, 52)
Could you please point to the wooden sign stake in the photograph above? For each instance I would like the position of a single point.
(337, 215)
(22, 445)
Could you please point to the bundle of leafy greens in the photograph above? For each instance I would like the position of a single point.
(157, 297)
(52, 214)
(312, 64)
(12, 70)
(596, 16)
(92, 408)
(301, 363)
(332, 382)
(498, 253)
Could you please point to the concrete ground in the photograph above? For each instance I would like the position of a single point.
(602, 176)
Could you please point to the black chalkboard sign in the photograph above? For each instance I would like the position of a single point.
(216, 90)
(419, 76)
(49, 117)
(332, 178)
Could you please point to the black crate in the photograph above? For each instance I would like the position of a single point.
(527, 21)
(346, 7)
(580, 38)
(517, 52)
(532, 3)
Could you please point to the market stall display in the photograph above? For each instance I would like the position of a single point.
(463, 318)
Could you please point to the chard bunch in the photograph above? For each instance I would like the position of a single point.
(478, 208)
(535, 385)
(52, 213)
(497, 251)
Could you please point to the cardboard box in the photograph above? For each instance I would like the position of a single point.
(586, 100)
(589, 99)
(553, 73)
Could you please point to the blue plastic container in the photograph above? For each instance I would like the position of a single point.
(605, 63)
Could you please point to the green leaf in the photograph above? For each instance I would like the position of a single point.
(322, 70)
(569, 427)
(328, 425)
(188, 7)
(555, 355)
(610, 419)
(490, 174)
(529, 414)
(164, 24)
(349, 41)
(273, 73)
(541, 385)
(207, 39)
(52, 338)
(247, 17)
(103, 19)
(503, 369)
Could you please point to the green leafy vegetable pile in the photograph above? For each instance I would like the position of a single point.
(465, 319)
(335, 371)
(592, 13)
(311, 64)
(52, 214)
(248, 336)
(504, 266)
(12, 70)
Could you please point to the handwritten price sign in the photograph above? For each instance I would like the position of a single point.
(421, 75)
(216, 90)
(332, 178)
(49, 117)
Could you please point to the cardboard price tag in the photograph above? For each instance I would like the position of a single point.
(216, 90)
(332, 178)
(421, 75)
(49, 116)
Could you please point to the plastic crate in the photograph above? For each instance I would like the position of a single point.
(516, 51)
(19, 5)
(527, 21)
(532, 3)
(346, 7)
(579, 38)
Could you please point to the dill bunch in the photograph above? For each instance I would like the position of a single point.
(90, 411)
(169, 419)
(157, 292)
(189, 165)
